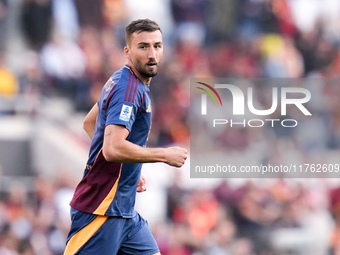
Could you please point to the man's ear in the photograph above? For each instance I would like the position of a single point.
(127, 52)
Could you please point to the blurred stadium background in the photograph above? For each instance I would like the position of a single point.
(55, 55)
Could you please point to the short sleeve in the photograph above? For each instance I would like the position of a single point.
(121, 111)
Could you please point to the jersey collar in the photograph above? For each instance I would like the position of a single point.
(130, 69)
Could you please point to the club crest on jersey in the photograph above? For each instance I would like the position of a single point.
(125, 113)
(149, 108)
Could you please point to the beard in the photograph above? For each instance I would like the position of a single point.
(146, 70)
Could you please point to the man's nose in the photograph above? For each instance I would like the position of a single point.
(152, 53)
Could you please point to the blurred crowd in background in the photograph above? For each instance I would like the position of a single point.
(69, 48)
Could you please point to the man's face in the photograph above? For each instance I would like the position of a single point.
(145, 51)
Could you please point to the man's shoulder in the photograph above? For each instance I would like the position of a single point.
(118, 81)
(122, 85)
(127, 83)
(122, 76)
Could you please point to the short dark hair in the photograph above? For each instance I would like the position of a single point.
(140, 25)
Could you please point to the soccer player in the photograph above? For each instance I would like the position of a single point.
(104, 221)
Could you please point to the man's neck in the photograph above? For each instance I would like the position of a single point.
(145, 80)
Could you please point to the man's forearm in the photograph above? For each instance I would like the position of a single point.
(127, 152)
(117, 149)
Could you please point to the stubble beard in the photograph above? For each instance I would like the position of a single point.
(142, 70)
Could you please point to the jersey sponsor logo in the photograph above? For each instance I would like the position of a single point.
(125, 113)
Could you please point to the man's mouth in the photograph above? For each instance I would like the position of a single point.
(151, 64)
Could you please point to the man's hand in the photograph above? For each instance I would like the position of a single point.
(142, 185)
(176, 156)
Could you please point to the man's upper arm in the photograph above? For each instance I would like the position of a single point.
(121, 114)
(114, 135)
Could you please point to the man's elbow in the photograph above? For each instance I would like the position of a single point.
(86, 125)
(111, 155)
